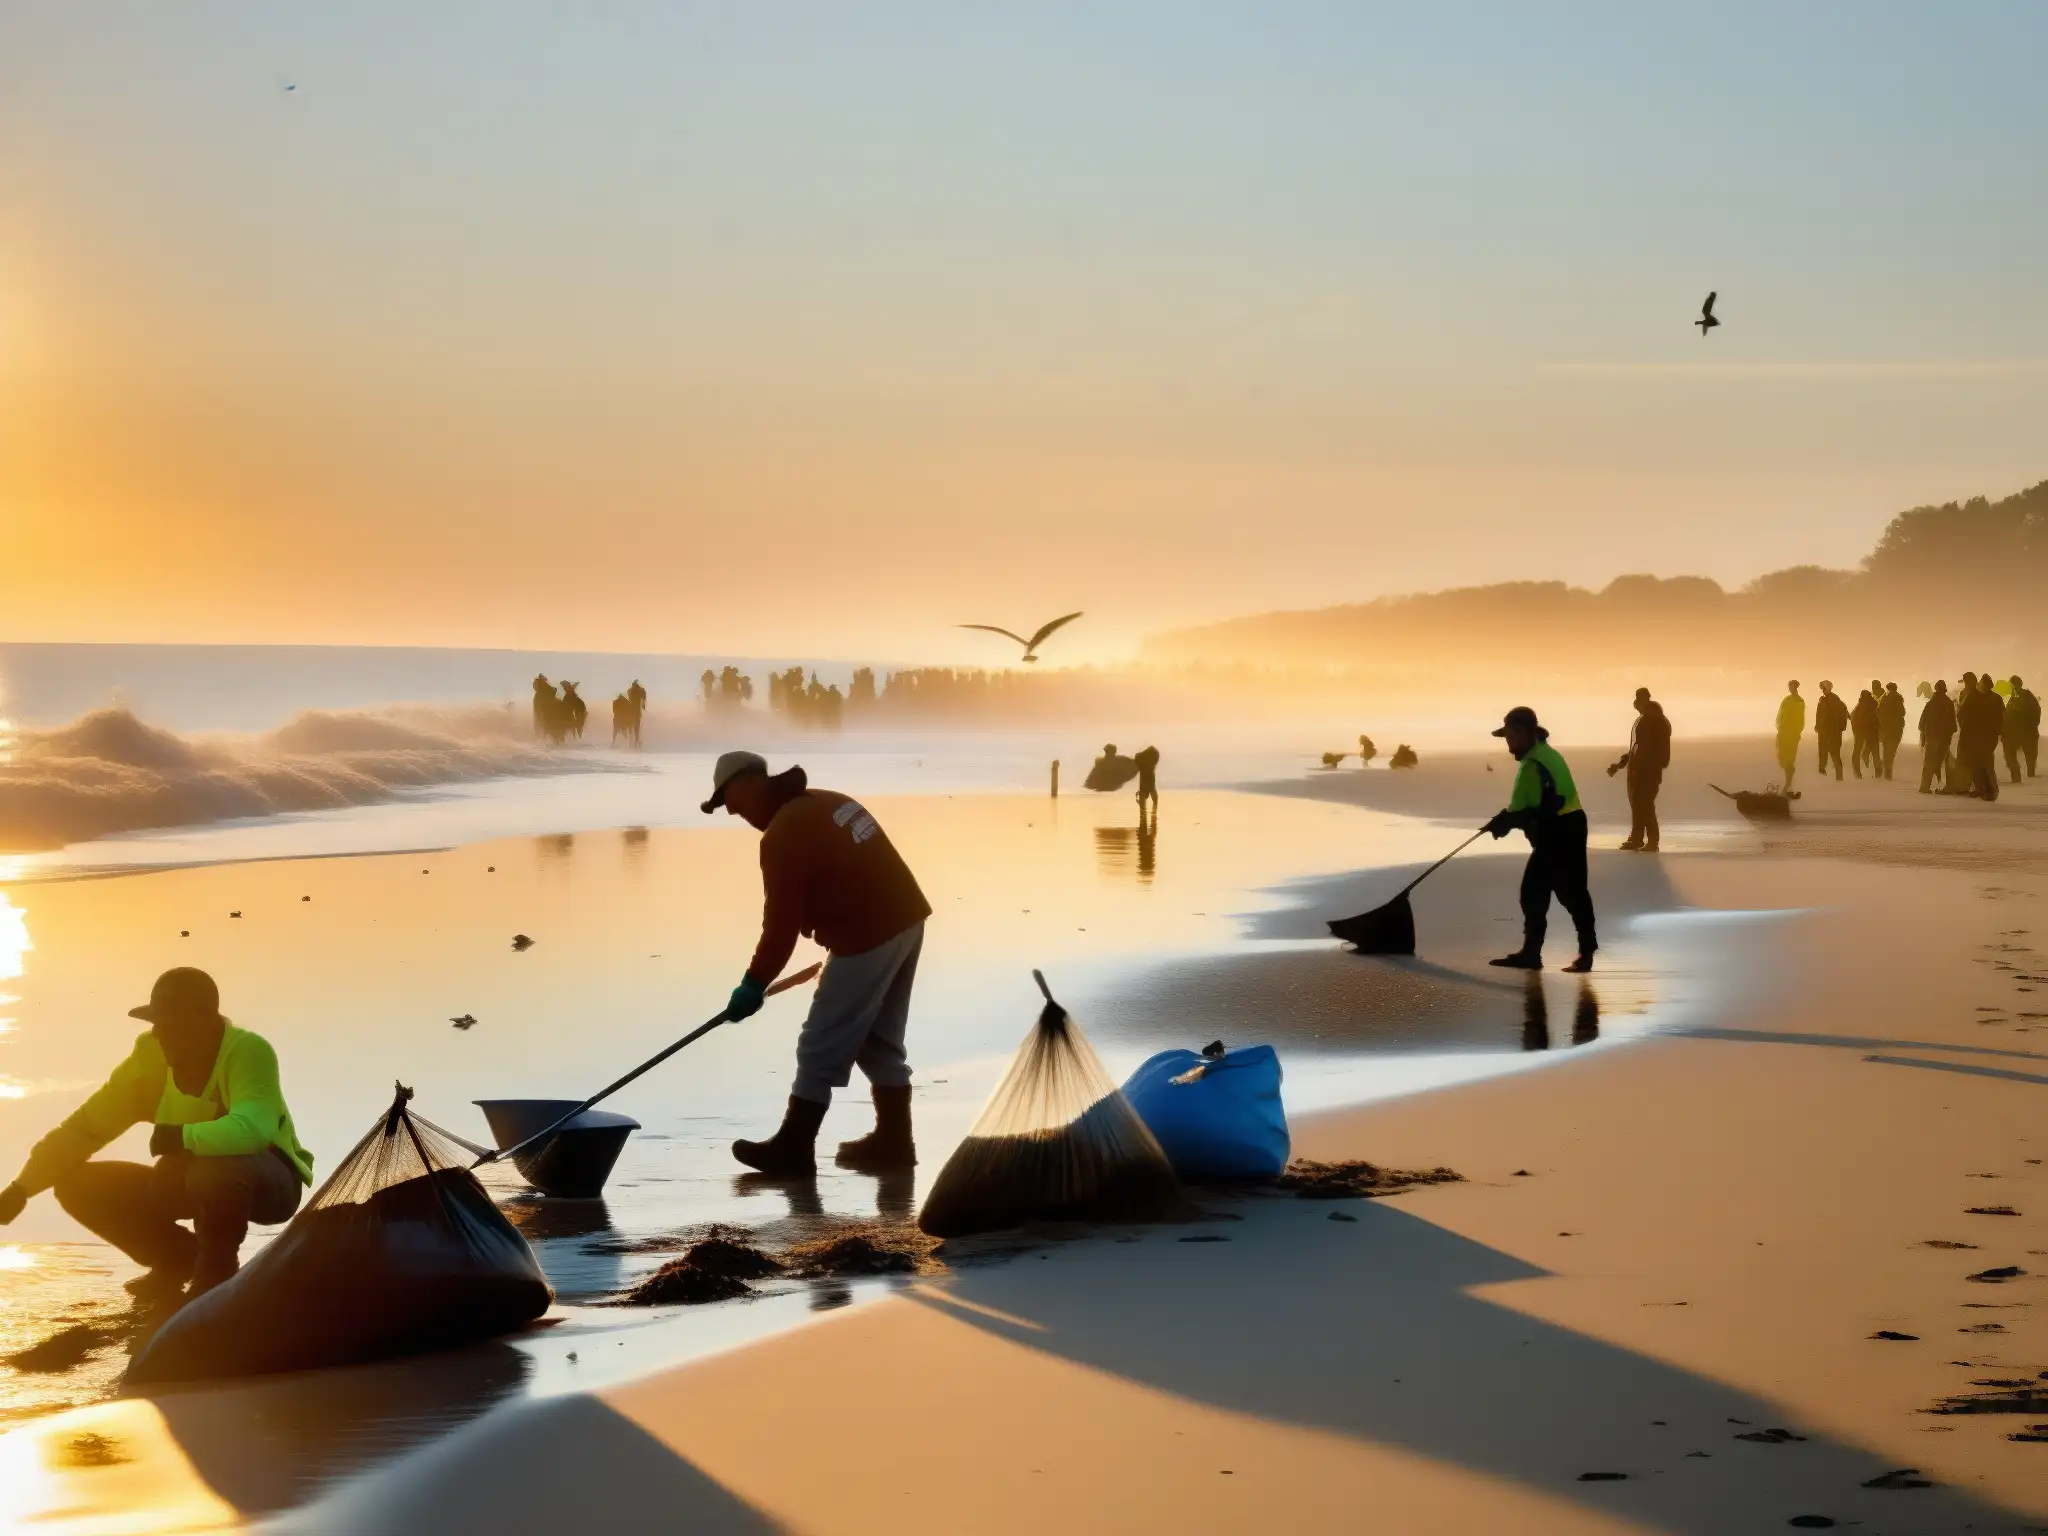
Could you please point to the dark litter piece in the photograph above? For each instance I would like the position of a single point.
(1404, 757)
(1603, 1477)
(2028, 1397)
(1995, 1276)
(1942, 1242)
(1310, 1180)
(1811, 1522)
(1893, 1333)
(681, 1283)
(1342, 1216)
(1902, 1477)
(1983, 1328)
(1989, 1210)
(521, 941)
(62, 1350)
(399, 1252)
(1771, 804)
(234, 914)
(1206, 1237)
(854, 1254)
(1521, 1173)
(1057, 1141)
(2034, 1434)
(1771, 1436)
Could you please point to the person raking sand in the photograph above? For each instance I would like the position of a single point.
(225, 1151)
(829, 872)
(1545, 805)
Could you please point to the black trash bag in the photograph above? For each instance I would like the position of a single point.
(1057, 1141)
(1110, 771)
(401, 1251)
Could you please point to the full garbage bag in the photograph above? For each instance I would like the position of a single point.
(401, 1251)
(1110, 771)
(1216, 1115)
(1057, 1141)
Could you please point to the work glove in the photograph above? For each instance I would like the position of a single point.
(1500, 826)
(746, 998)
(166, 1139)
(12, 1199)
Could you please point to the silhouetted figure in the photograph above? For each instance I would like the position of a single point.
(1404, 757)
(1148, 779)
(544, 702)
(1891, 727)
(1830, 719)
(2022, 737)
(1980, 726)
(1038, 637)
(1863, 734)
(1366, 751)
(574, 711)
(1648, 755)
(622, 719)
(1545, 806)
(1110, 771)
(1791, 726)
(637, 697)
(1706, 321)
(1937, 729)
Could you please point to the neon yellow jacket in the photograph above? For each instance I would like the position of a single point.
(240, 1110)
(1791, 717)
(1528, 792)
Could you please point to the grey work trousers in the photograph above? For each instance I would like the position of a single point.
(857, 1018)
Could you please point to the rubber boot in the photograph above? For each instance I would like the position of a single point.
(1521, 960)
(791, 1153)
(889, 1144)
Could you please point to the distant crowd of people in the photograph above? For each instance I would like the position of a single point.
(559, 717)
(1961, 735)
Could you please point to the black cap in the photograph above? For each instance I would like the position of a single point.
(184, 992)
(1525, 717)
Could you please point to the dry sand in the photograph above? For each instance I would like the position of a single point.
(1660, 1248)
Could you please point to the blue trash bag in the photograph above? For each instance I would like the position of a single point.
(1217, 1116)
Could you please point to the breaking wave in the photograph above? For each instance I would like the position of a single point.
(108, 772)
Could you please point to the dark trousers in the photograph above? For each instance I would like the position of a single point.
(1890, 748)
(137, 1208)
(1933, 761)
(1643, 784)
(1862, 749)
(1982, 757)
(1557, 867)
(1831, 751)
(2016, 749)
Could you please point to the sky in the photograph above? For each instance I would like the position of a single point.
(820, 329)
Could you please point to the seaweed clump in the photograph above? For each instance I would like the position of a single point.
(1311, 1180)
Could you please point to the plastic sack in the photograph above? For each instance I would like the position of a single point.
(1057, 1141)
(1216, 1116)
(1110, 771)
(401, 1251)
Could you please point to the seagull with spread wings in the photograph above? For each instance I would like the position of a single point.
(1706, 321)
(1030, 646)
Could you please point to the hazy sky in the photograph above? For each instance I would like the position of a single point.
(818, 328)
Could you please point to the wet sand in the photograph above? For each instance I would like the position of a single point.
(1697, 1227)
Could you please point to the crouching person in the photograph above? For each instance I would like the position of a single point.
(225, 1153)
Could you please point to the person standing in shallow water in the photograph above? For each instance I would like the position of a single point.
(1791, 727)
(1830, 719)
(829, 871)
(1148, 780)
(1545, 806)
(1648, 755)
(224, 1148)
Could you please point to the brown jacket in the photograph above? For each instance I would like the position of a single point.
(830, 873)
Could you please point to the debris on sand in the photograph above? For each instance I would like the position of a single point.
(1812, 1522)
(1404, 757)
(62, 1350)
(92, 1450)
(1603, 1477)
(1771, 1436)
(723, 1256)
(1311, 1180)
(1997, 1276)
(1942, 1242)
(521, 941)
(1989, 1210)
(1771, 804)
(2026, 1397)
(1893, 1333)
(875, 1250)
(679, 1282)
(1983, 1328)
(1900, 1477)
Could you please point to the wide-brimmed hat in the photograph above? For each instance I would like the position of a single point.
(731, 765)
(183, 992)
(1525, 717)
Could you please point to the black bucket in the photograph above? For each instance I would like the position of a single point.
(573, 1163)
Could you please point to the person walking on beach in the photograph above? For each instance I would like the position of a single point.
(1544, 804)
(828, 871)
(1937, 729)
(1648, 755)
(1791, 726)
(1863, 733)
(1891, 726)
(224, 1150)
(1830, 719)
(2022, 735)
(1980, 724)
(1148, 780)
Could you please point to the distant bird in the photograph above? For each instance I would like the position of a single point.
(463, 1021)
(521, 941)
(1030, 646)
(1706, 321)
(234, 914)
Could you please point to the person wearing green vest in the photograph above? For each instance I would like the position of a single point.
(1545, 805)
(225, 1151)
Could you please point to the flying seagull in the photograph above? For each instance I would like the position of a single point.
(463, 1021)
(1706, 321)
(1030, 646)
